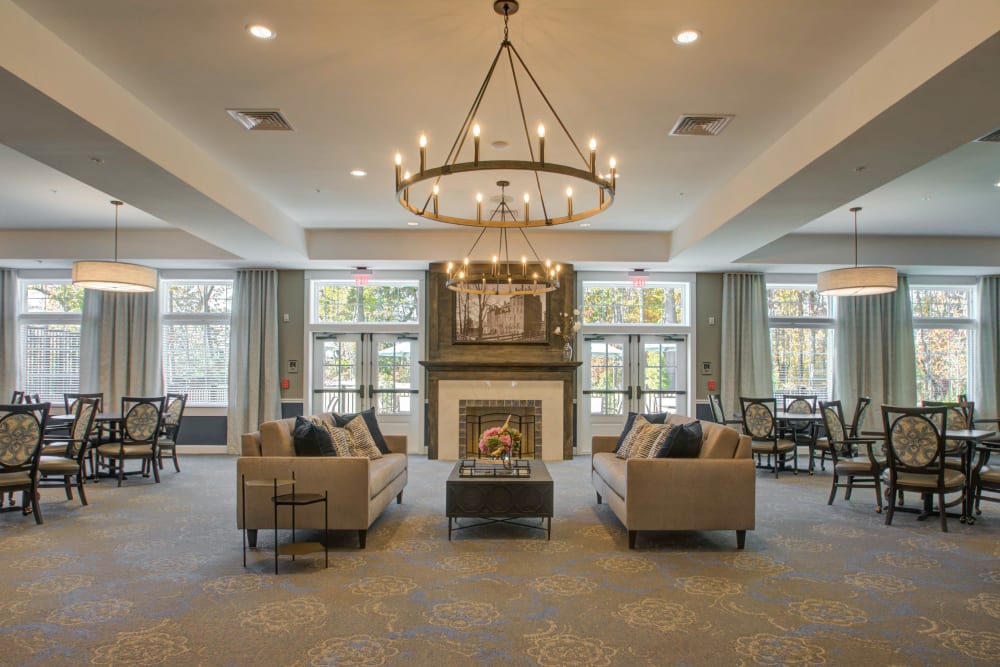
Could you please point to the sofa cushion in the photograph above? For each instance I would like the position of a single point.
(682, 442)
(649, 440)
(652, 418)
(628, 441)
(364, 444)
(371, 422)
(311, 439)
(382, 471)
(612, 470)
(276, 438)
(342, 440)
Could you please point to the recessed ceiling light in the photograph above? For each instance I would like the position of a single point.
(585, 224)
(358, 172)
(499, 144)
(413, 223)
(261, 31)
(686, 36)
(997, 184)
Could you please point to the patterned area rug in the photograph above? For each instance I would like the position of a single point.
(152, 575)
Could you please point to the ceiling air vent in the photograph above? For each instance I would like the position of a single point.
(258, 120)
(993, 136)
(700, 125)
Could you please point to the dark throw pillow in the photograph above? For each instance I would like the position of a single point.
(311, 439)
(683, 442)
(652, 418)
(372, 424)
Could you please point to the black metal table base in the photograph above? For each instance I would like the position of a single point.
(545, 523)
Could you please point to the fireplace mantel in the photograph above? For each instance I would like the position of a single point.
(560, 371)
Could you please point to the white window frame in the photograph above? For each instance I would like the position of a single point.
(785, 322)
(969, 323)
(168, 319)
(24, 319)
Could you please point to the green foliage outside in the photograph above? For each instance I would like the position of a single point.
(53, 298)
(373, 303)
(627, 305)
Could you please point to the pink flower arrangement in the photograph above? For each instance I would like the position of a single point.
(500, 440)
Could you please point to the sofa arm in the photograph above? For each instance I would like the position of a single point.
(690, 494)
(396, 443)
(603, 443)
(345, 478)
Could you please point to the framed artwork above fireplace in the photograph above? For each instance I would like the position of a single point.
(500, 319)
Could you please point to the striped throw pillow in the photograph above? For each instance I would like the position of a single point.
(649, 440)
(364, 444)
(343, 443)
(629, 441)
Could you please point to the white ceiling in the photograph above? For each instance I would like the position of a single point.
(899, 87)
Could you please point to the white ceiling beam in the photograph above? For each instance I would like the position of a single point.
(190, 190)
(926, 92)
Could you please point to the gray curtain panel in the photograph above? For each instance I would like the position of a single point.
(8, 333)
(746, 340)
(875, 352)
(988, 400)
(254, 395)
(120, 345)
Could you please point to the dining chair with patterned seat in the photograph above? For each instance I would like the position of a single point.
(719, 414)
(986, 478)
(139, 434)
(853, 431)
(22, 427)
(172, 417)
(57, 470)
(802, 432)
(862, 471)
(916, 449)
(760, 425)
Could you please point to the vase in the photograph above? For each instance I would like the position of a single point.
(567, 351)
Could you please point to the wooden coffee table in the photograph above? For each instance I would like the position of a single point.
(500, 499)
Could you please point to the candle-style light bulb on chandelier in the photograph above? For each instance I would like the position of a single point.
(114, 276)
(857, 280)
(556, 193)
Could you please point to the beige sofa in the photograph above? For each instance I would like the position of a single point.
(715, 491)
(359, 488)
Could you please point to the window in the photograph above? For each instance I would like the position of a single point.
(655, 304)
(196, 339)
(943, 325)
(49, 321)
(801, 321)
(385, 303)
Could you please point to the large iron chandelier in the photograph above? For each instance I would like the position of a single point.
(857, 280)
(114, 276)
(424, 192)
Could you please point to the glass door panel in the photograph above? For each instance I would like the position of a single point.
(663, 365)
(395, 387)
(338, 373)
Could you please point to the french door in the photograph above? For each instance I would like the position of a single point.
(357, 371)
(625, 373)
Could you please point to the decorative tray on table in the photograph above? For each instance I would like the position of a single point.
(491, 468)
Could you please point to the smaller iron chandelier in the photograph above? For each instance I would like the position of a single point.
(114, 276)
(857, 280)
(501, 276)
(424, 194)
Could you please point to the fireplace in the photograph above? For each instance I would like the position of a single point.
(476, 416)
(547, 385)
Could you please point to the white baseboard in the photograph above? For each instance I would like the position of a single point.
(201, 449)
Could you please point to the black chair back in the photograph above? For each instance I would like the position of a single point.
(22, 429)
(71, 399)
(758, 418)
(141, 417)
(859, 416)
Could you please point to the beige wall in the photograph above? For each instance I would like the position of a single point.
(708, 340)
(291, 302)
